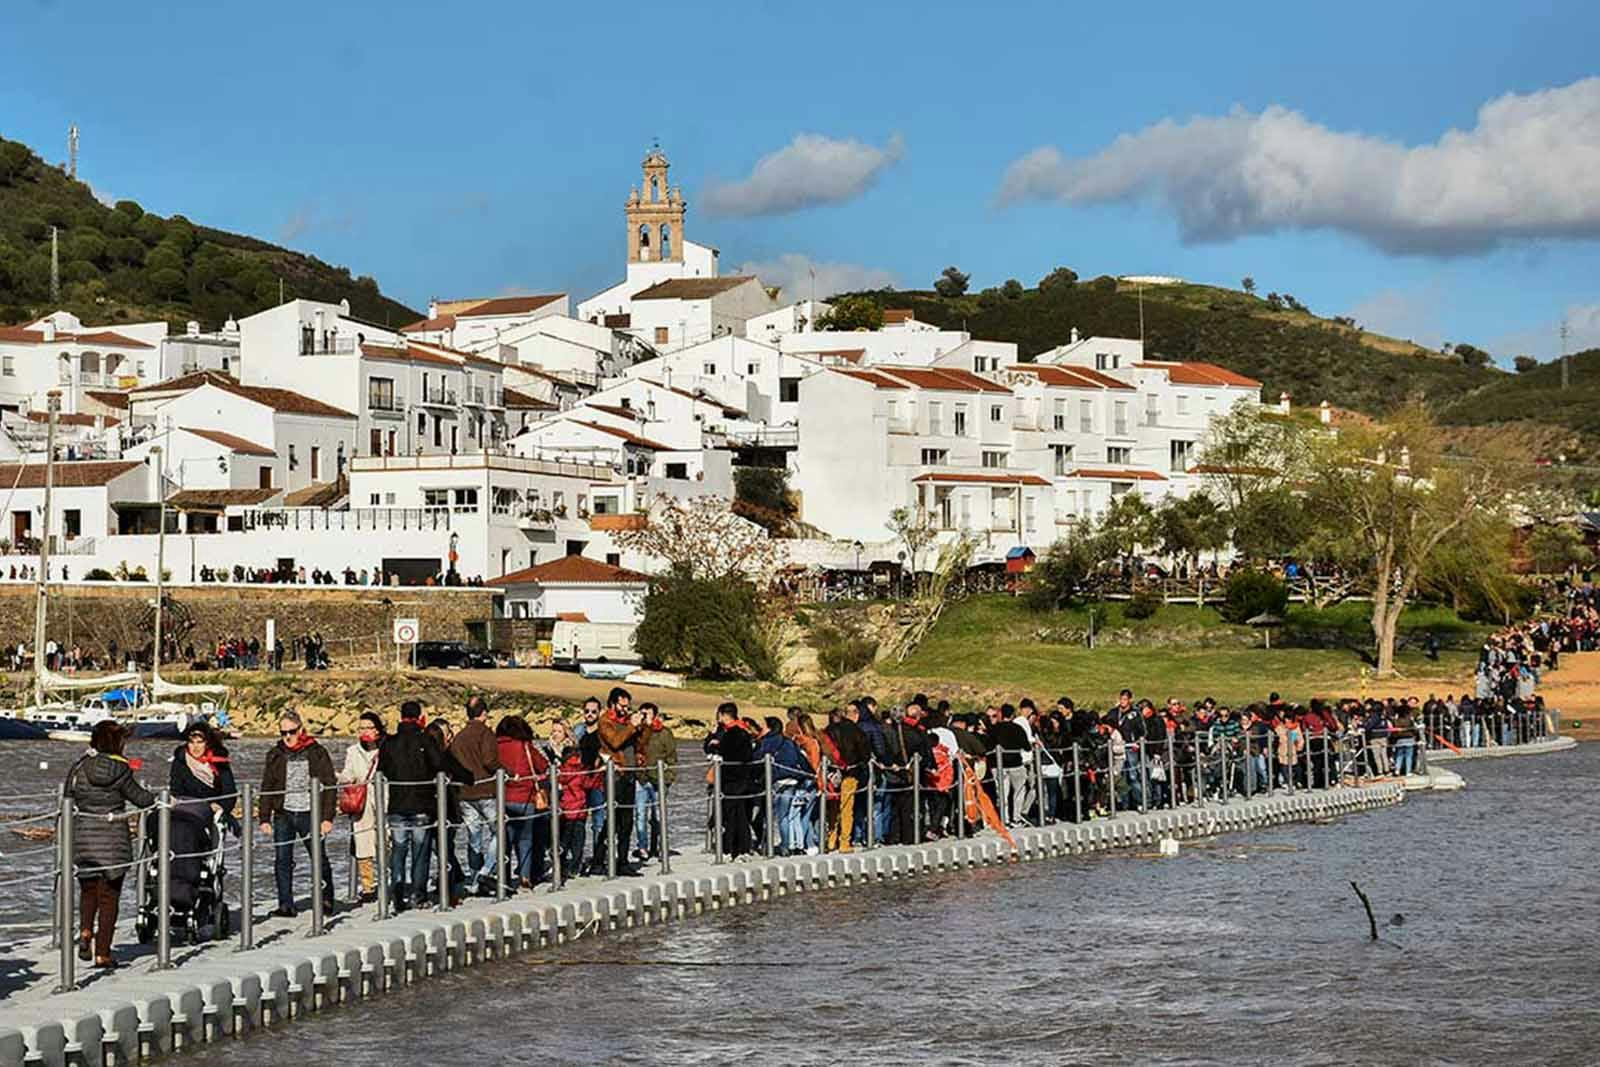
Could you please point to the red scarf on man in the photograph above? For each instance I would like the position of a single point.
(299, 741)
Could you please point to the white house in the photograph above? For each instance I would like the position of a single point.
(575, 589)
(908, 343)
(758, 378)
(797, 317)
(58, 352)
(83, 499)
(469, 325)
(680, 312)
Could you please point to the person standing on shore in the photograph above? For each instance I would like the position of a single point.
(733, 745)
(101, 786)
(620, 731)
(285, 805)
(476, 749)
(360, 764)
(848, 751)
(409, 761)
(657, 748)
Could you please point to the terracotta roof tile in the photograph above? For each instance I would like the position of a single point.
(995, 478)
(284, 400)
(201, 499)
(229, 441)
(438, 322)
(69, 475)
(873, 378)
(631, 438)
(1199, 373)
(1060, 374)
(947, 378)
(509, 305)
(70, 418)
(515, 399)
(1117, 475)
(894, 316)
(109, 399)
(691, 288)
(572, 569)
(24, 336)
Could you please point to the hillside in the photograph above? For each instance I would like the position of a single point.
(122, 264)
(1311, 358)
(1537, 393)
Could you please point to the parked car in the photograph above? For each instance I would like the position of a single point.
(451, 654)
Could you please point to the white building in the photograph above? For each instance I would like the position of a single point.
(797, 317)
(192, 351)
(470, 325)
(686, 311)
(83, 501)
(574, 589)
(57, 352)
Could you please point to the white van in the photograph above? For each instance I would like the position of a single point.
(574, 643)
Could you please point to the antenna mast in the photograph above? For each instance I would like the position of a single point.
(72, 151)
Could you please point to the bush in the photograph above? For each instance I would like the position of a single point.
(1252, 593)
(99, 574)
(842, 651)
(1143, 605)
(707, 626)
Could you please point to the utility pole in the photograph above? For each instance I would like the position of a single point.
(55, 266)
(72, 151)
(1566, 361)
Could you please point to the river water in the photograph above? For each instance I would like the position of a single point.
(1247, 949)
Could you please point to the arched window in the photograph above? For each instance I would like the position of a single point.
(644, 241)
(89, 367)
(666, 241)
(655, 188)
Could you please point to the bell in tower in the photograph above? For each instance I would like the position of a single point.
(655, 214)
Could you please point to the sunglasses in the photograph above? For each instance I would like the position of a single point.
(289, 733)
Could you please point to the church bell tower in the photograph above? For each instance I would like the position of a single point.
(655, 215)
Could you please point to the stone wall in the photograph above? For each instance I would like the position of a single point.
(354, 622)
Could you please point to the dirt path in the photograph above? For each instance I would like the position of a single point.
(568, 685)
(1574, 690)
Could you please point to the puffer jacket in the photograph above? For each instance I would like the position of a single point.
(103, 788)
(659, 746)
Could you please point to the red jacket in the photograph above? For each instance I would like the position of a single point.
(575, 785)
(525, 768)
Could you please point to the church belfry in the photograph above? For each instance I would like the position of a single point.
(655, 215)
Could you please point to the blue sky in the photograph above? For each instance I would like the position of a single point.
(482, 148)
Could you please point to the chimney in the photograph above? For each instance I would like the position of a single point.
(99, 423)
(1283, 403)
(48, 326)
(1074, 335)
(344, 307)
(1325, 413)
(192, 328)
(433, 309)
(230, 328)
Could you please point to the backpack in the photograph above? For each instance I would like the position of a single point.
(943, 775)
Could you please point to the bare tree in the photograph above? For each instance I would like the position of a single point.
(703, 539)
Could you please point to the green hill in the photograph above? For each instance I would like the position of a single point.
(1294, 351)
(123, 264)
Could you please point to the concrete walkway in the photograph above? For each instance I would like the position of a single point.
(1533, 748)
(215, 991)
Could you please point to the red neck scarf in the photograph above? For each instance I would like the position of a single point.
(299, 741)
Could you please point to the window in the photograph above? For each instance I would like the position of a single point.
(454, 438)
(788, 390)
(1183, 403)
(1181, 453)
(935, 457)
(380, 394)
(466, 501)
(607, 505)
(1059, 420)
(505, 501)
(614, 559)
(1102, 361)
(1071, 501)
(438, 434)
(375, 442)
(72, 520)
(316, 463)
(1086, 416)
(677, 470)
(8, 366)
(1029, 504)
(709, 369)
(294, 463)
(138, 368)
(1119, 421)
(1062, 457)
(751, 369)
(583, 505)
(996, 412)
(393, 437)
(388, 498)
(558, 500)
(1119, 455)
(373, 499)
(961, 420)
(935, 418)
(264, 477)
(996, 459)
(436, 498)
(661, 335)
(1152, 409)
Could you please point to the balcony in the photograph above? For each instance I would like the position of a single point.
(537, 519)
(327, 346)
(386, 407)
(439, 397)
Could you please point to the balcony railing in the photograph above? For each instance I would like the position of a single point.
(439, 396)
(352, 519)
(386, 405)
(327, 346)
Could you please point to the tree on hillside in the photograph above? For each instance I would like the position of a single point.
(1391, 497)
(1472, 355)
(1065, 573)
(1128, 525)
(1248, 452)
(951, 282)
(852, 313)
(1556, 546)
(1248, 284)
(1187, 526)
(1060, 278)
(1275, 301)
(1524, 364)
(761, 494)
(915, 530)
(1012, 289)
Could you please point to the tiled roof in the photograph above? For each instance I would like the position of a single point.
(70, 418)
(894, 316)
(572, 616)
(1117, 475)
(849, 355)
(284, 400)
(229, 441)
(509, 305)
(409, 354)
(996, 478)
(630, 521)
(198, 499)
(438, 322)
(691, 288)
(572, 569)
(70, 475)
(317, 494)
(1199, 373)
(109, 399)
(947, 378)
(631, 438)
(616, 322)
(19, 335)
(873, 378)
(1070, 377)
(613, 409)
(523, 402)
(703, 398)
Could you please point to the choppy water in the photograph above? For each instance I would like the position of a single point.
(1253, 950)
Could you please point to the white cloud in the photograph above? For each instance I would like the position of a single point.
(1530, 168)
(1409, 314)
(792, 271)
(808, 171)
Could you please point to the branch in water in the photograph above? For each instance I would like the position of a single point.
(1365, 903)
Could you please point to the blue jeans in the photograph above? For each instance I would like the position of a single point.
(478, 819)
(410, 850)
(287, 828)
(808, 815)
(519, 842)
(1135, 778)
(788, 809)
(1405, 756)
(597, 823)
(645, 810)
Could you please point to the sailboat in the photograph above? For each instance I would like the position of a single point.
(58, 712)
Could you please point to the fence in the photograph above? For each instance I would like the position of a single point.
(601, 821)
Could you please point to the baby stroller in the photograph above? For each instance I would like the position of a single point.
(199, 912)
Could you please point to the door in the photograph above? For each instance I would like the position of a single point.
(316, 463)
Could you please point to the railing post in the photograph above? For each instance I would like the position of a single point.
(500, 834)
(1327, 747)
(611, 818)
(247, 869)
(916, 798)
(1226, 777)
(441, 813)
(961, 794)
(1036, 769)
(1112, 771)
(66, 937)
(163, 880)
(872, 804)
(1144, 778)
(661, 816)
(766, 799)
(555, 823)
(822, 808)
(716, 809)
(379, 799)
(1077, 784)
(998, 773)
(1172, 772)
(317, 903)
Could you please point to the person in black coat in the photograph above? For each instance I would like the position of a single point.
(737, 749)
(409, 760)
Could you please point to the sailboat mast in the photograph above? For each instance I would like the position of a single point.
(161, 555)
(41, 602)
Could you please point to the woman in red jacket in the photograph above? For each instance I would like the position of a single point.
(579, 775)
(527, 801)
